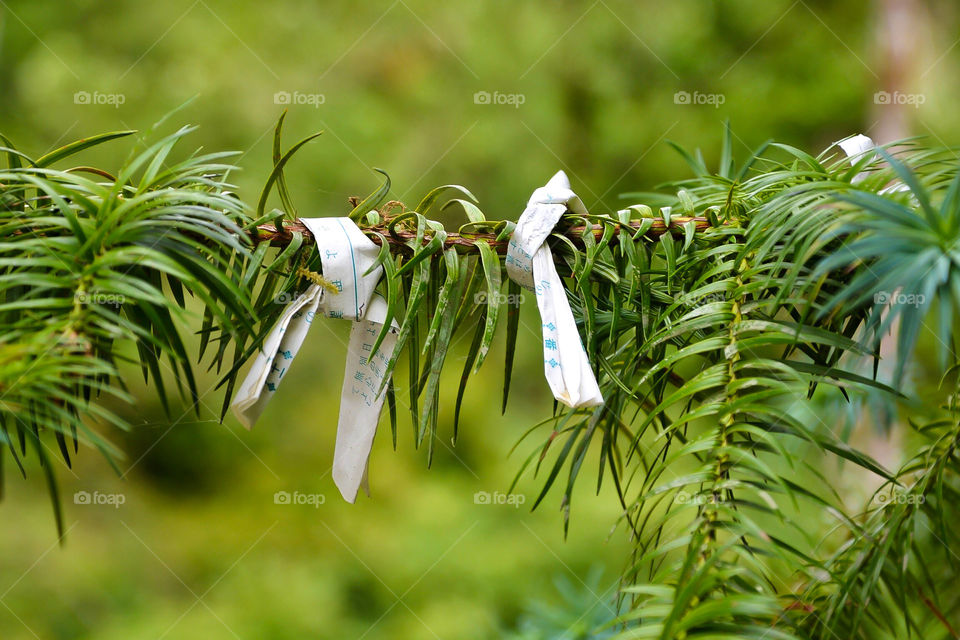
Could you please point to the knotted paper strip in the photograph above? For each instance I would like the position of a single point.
(275, 357)
(529, 263)
(855, 147)
(346, 255)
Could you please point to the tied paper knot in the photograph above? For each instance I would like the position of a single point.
(529, 263)
(858, 146)
(347, 257)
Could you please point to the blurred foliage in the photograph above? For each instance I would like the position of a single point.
(398, 81)
(576, 616)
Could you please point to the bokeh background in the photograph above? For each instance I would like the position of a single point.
(490, 94)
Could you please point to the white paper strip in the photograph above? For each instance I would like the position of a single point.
(346, 255)
(529, 263)
(275, 357)
(855, 145)
(360, 405)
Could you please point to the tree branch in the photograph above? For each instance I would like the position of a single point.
(467, 243)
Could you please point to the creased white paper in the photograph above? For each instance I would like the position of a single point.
(346, 255)
(360, 404)
(856, 145)
(275, 356)
(529, 263)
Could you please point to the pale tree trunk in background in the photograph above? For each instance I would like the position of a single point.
(899, 25)
(899, 28)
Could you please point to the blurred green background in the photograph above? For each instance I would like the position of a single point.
(489, 94)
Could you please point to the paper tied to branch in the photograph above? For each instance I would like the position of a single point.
(529, 263)
(276, 354)
(346, 255)
(855, 147)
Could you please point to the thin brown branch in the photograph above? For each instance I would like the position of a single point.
(281, 238)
